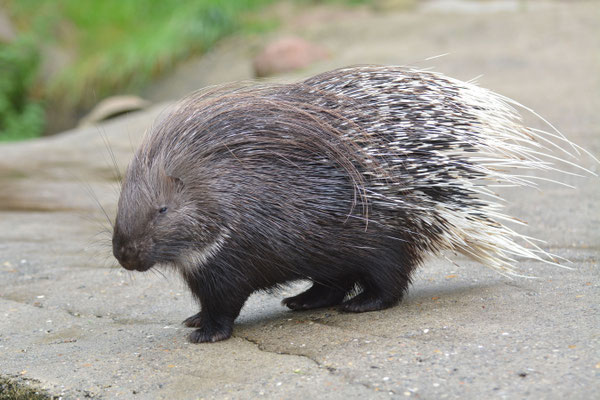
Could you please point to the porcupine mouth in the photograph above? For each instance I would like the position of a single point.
(136, 266)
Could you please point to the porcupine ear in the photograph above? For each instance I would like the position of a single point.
(174, 181)
(169, 179)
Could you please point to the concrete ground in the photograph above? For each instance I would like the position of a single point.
(78, 326)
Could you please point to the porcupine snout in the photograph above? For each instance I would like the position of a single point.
(129, 255)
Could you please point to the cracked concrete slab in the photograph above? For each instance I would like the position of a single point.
(81, 327)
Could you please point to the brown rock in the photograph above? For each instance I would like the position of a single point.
(7, 31)
(112, 107)
(285, 55)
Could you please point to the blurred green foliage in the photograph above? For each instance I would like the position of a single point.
(122, 44)
(71, 53)
(106, 46)
(21, 117)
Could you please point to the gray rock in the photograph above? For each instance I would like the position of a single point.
(112, 107)
(7, 30)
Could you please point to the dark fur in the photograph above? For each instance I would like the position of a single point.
(269, 166)
(267, 178)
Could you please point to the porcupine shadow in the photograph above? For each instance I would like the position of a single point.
(436, 296)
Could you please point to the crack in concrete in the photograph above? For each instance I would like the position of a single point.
(261, 347)
(331, 370)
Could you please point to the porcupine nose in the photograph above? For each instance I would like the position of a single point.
(127, 254)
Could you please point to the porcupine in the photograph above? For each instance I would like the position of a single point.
(347, 179)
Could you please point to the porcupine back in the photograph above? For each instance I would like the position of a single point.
(442, 144)
(420, 150)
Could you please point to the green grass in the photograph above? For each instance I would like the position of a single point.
(108, 46)
(111, 46)
(9, 390)
(123, 44)
(20, 115)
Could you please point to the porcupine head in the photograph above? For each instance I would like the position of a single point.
(158, 218)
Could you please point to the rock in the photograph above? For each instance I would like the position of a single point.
(112, 107)
(7, 31)
(285, 55)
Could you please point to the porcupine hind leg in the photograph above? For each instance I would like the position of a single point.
(383, 285)
(319, 295)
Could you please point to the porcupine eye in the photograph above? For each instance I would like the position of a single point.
(162, 210)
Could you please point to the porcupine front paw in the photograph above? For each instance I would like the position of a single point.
(210, 330)
(316, 297)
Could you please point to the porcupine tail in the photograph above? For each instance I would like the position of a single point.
(508, 153)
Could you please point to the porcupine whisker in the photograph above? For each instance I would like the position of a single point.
(90, 191)
(113, 159)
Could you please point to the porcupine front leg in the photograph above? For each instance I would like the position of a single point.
(219, 309)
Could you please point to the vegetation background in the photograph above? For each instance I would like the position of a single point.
(63, 56)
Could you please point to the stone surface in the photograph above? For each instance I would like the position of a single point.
(7, 30)
(72, 320)
(113, 106)
(286, 54)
